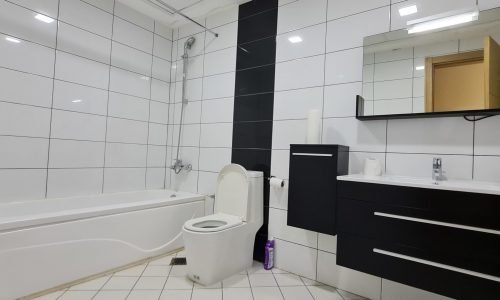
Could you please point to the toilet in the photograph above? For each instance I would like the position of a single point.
(220, 245)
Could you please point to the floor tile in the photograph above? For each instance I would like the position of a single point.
(279, 271)
(288, 280)
(324, 293)
(111, 295)
(120, 283)
(178, 271)
(78, 295)
(266, 293)
(237, 294)
(178, 283)
(162, 261)
(349, 296)
(257, 268)
(51, 296)
(217, 285)
(296, 293)
(236, 281)
(144, 295)
(92, 285)
(207, 294)
(257, 280)
(150, 283)
(308, 281)
(156, 270)
(176, 295)
(181, 253)
(134, 271)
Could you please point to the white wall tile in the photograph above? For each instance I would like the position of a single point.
(301, 14)
(300, 73)
(344, 66)
(24, 120)
(313, 43)
(131, 59)
(327, 243)
(280, 160)
(295, 104)
(158, 112)
(75, 97)
(155, 178)
(340, 100)
(106, 5)
(278, 198)
(223, 17)
(357, 161)
(83, 43)
(191, 114)
(132, 35)
(214, 159)
(207, 182)
(76, 154)
(359, 136)
(26, 56)
(89, 72)
(197, 48)
(393, 106)
(24, 88)
(445, 136)
(394, 70)
(219, 86)
(88, 17)
(394, 291)
(337, 39)
(289, 132)
(127, 13)
(190, 135)
(162, 47)
(339, 8)
(77, 126)
(127, 131)
(129, 107)
(156, 156)
(11, 18)
(160, 90)
(346, 279)
(221, 61)
(189, 155)
(125, 155)
(124, 179)
(74, 182)
(487, 168)
(194, 89)
(20, 152)
(216, 135)
(286, 255)
(228, 35)
(393, 89)
(184, 181)
(164, 31)
(217, 110)
(486, 140)
(278, 228)
(129, 83)
(46, 7)
(157, 134)
(488, 4)
(161, 69)
(22, 184)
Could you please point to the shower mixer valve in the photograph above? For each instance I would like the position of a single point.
(178, 166)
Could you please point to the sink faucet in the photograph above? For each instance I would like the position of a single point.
(437, 171)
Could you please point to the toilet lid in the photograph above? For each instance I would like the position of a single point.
(231, 196)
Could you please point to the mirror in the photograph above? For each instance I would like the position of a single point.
(455, 71)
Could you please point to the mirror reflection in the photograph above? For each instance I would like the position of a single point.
(451, 70)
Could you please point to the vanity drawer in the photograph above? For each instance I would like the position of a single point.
(470, 209)
(383, 260)
(461, 246)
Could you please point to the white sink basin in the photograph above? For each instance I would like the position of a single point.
(452, 185)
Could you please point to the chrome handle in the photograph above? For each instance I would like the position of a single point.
(312, 154)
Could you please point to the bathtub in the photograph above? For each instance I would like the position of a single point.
(50, 242)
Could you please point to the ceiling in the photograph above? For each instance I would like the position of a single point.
(192, 8)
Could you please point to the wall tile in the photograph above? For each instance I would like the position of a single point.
(133, 16)
(75, 97)
(83, 43)
(295, 104)
(327, 243)
(257, 27)
(77, 126)
(85, 16)
(207, 183)
(158, 112)
(156, 156)
(278, 228)
(301, 14)
(157, 134)
(359, 136)
(131, 59)
(214, 159)
(339, 8)
(74, 182)
(300, 73)
(132, 35)
(312, 43)
(224, 17)
(124, 179)
(24, 120)
(393, 291)
(191, 114)
(286, 255)
(252, 135)
(155, 178)
(280, 164)
(125, 155)
(340, 100)
(487, 168)
(216, 135)
(190, 135)
(13, 185)
(254, 107)
(161, 69)
(486, 140)
(217, 110)
(24, 88)
(76, 154)
(218, 86)
(221, 61)
(162, 47)
(257, 53)
(289, 132)
(127, 131)
(46, 7)
(129, 107)
(129, 83)
(90, 73)
(189, 155)
(344, 66)
(228, 35)
(106, 5)
(19, 152)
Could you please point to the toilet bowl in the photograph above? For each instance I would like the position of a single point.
(220, 245)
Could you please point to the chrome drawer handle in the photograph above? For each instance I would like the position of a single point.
(437, 265)
(445, 224)
(312, 154)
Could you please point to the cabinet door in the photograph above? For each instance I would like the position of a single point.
(492, 73)
(312, 191)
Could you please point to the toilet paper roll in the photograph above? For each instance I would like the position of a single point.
(313, 126)
(276, 182)
(373, 167)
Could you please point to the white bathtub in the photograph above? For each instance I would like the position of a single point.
(46, 243)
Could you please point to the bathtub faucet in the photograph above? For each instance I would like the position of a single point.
(178, 166)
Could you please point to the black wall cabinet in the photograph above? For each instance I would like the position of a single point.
(313, 175)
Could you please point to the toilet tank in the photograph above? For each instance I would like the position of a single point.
(255, 196)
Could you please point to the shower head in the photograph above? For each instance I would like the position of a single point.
(189, 42)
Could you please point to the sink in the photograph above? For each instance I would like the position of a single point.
(470, 186)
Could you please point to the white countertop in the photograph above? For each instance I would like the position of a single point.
(469, 186)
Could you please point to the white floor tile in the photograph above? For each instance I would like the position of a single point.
(134, 271)
(279, 271)
(256, 268)
(308, 281)
(207, 294)
(237, 294)
(324, 293)
(150, 283)
(51, 296)
(111, 295)
(144, 295)
(267, 293)
(258, 280)
(349, 296)
(178, 271)
(178, 283)
(217, 285)
(120, 283)
(176, 295)
(296, 293)
(237, 281)
(162, 261)
(156, 270)
(78, 295)
(93, 285)
(288, 280)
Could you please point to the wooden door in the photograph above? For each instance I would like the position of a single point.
(491, 73)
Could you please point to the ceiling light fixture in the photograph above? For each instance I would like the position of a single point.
(44, 18)
(442, 20)
(12, 40)
(295, 39)
(408, 10)
(419, 68)
(76, 101)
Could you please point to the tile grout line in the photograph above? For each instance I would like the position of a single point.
(149, 112)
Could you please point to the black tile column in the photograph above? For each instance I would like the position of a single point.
(254, 96)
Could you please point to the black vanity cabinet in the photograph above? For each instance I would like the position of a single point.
(446, 242)
(312, 190)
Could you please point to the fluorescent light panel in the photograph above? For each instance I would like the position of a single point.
(443, 22)
(44, 18)
(295, 39)
(12, 40)
(408, 10)
(419, 68)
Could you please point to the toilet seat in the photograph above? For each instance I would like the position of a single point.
(213, 223)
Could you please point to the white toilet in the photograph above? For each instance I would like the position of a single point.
(220, 245)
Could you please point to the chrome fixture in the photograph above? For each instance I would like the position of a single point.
(437, 171)
(178, 166)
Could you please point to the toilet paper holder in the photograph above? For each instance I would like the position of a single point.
(271, 177)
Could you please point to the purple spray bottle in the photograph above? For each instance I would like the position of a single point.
(269, 256)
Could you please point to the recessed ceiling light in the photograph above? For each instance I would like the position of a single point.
(419, 68)
(44, 18)
(12, 40)
(295, 39)
(408, 10)
(442, 21)
(76, 101)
